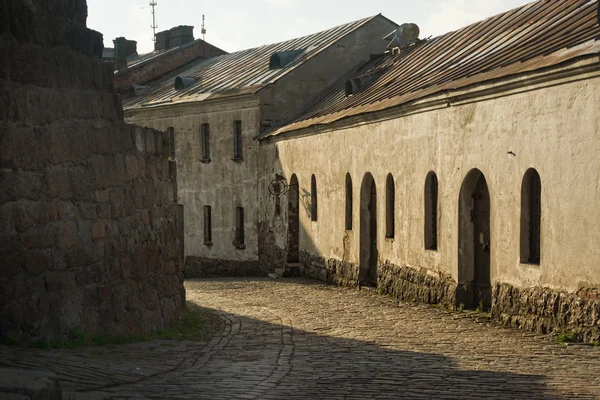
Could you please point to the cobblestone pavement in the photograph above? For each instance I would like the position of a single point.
(298, 339)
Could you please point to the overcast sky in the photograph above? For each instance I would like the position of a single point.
(240, 24)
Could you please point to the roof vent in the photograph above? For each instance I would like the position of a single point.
(137, 90)
(282, 59)
(405, 35)
(361, 82)
(182, 82)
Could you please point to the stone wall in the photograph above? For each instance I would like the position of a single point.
(545, 310)
(403, 283)
(164, 63)
(88, 212)
(199, 267)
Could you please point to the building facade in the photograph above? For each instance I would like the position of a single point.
(461, 176)
(458, 170)
(217, 108)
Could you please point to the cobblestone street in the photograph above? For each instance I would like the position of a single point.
(298, 339)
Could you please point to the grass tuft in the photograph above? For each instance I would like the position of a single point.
(567, 337)
(198, 326)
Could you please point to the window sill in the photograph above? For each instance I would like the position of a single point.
(237, 159)
(205, 161)
(390, 238)
(432, 250)
(240, 246)
(530, 264)
(208, 244)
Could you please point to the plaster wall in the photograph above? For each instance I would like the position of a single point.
(283, 98)
(554, 130)
(223, 184)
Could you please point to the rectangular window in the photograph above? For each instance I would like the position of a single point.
(207, 225)
(172, 142)
(237, 141)
(205, 142)
(239, 228)
(169, 143)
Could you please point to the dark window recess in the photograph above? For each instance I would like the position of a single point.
(348, 202)
(239, 228)
(207, 225)
(169, 143)
(205, 142)
(237, 141)
(531, 215)
(390, 208)
(431, 203)
(313, 198)
(277, 205)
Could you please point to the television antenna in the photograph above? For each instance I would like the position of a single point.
(153, 4)
(203, 29)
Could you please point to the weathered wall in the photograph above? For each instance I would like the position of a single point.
(285, 97)
(553, 129)
(164, 63)
(223, 183)
(88, 216)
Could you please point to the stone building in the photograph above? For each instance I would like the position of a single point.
(89, 224)
(215, 109)
(461, 170)
(457, 170)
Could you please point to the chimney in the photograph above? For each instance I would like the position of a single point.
(123, 49)
(163, 40)
(181, 35)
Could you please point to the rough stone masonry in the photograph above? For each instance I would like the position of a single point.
(89, 236)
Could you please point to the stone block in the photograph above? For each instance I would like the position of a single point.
(98, 231)
(21, 184)
(117, 204)
(30, 384)
(66, 235)
(60, 280)
(36, 262)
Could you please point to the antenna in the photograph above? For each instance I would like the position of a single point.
(203, 29)
(154, 26)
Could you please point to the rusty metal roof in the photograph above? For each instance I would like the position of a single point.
(242, 72)
(537, 35)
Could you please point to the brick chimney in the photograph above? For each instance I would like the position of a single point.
(181, 35)
(163, 40)
(123, 49)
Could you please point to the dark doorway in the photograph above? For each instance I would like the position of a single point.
(368, 232)
(293, 221)
(474, 243)
(481, 226)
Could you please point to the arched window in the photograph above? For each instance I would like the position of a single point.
(431, 203)
(531, 212)
(313, 198)
(390, 205)
(348, 202)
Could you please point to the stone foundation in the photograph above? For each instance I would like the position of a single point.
(544, 310)
(198, 267)
(403, 283)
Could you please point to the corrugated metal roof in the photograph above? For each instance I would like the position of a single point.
(537, 35)
(245, 71)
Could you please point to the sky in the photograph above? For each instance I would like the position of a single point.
(234, 25)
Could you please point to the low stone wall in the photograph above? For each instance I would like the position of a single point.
(544, 310)
(198, 267)
(404, 283)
